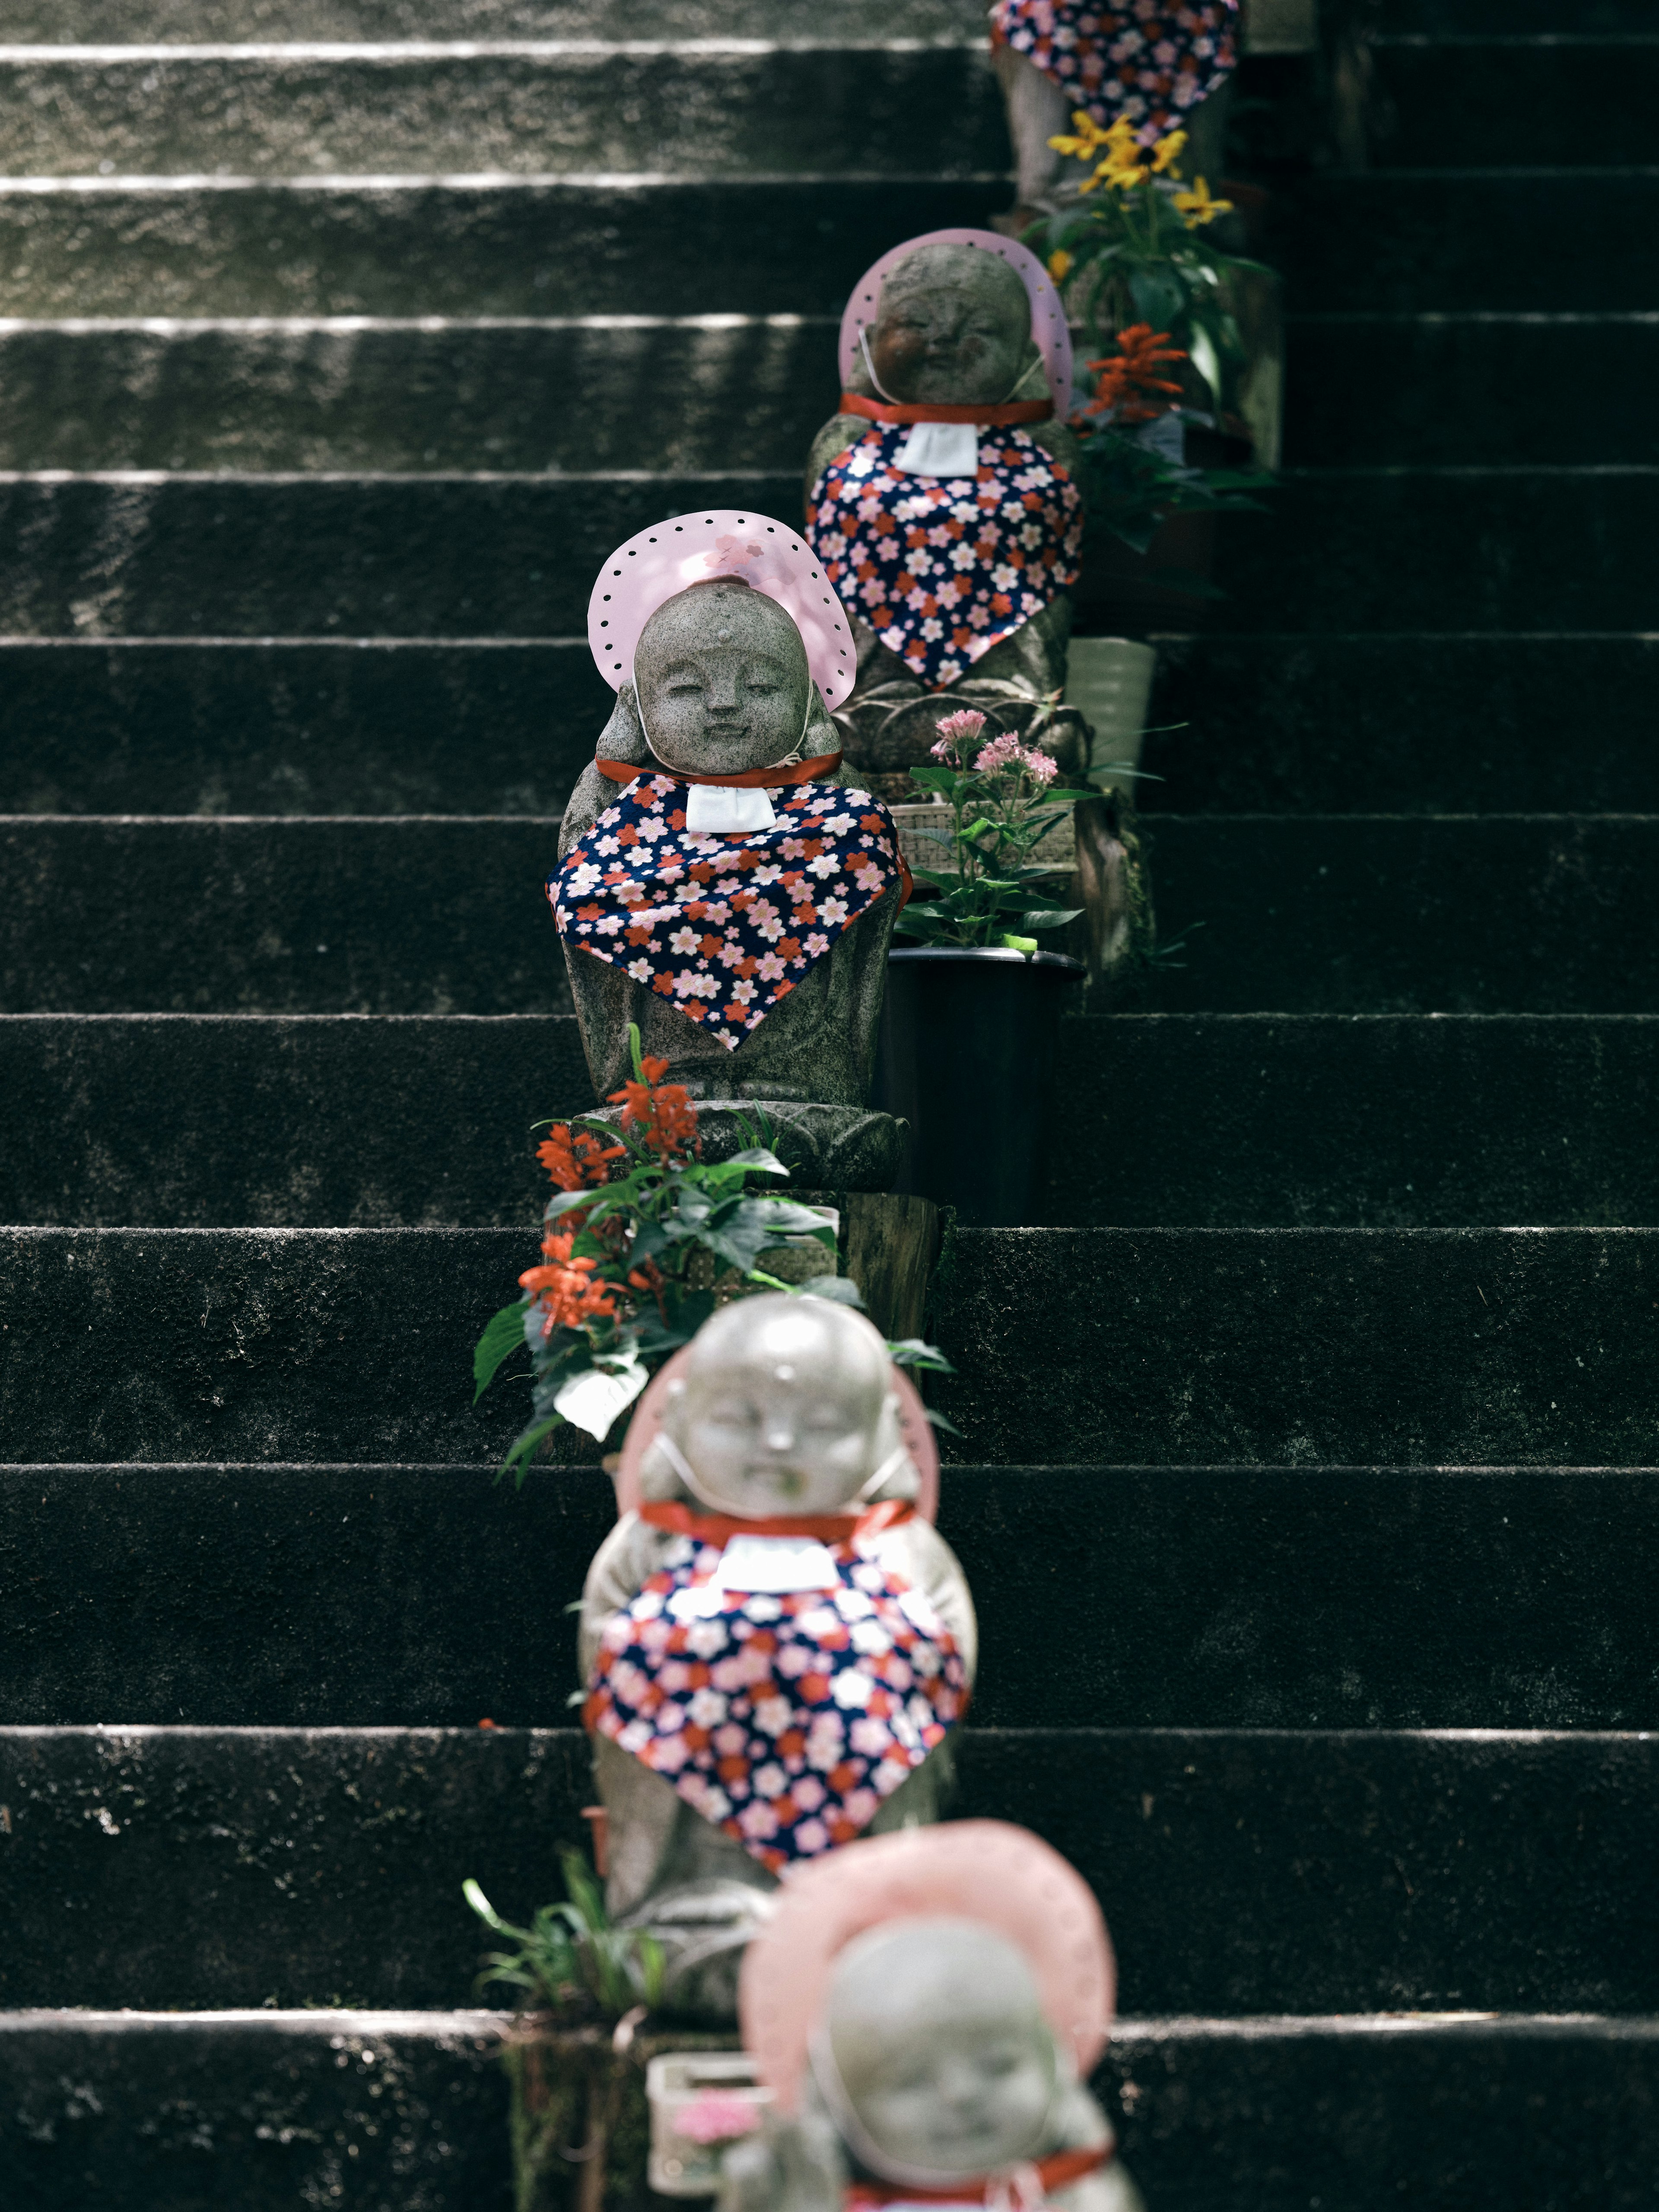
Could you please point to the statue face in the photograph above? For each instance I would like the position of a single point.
(938, 2037)
(955, 327)
(781, 1408)
(722, 678)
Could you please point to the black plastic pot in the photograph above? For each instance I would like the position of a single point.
(969, 1043)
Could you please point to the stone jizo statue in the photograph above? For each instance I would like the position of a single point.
(777, 1647)
(941, 499)
(719, 885)
(924, 2009)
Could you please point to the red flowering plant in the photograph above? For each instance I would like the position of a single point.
(643, 1238)
(1003, 802)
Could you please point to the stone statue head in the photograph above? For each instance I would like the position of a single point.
(784, 1407)
(954, 328)
(934, 2055)
(721, 680)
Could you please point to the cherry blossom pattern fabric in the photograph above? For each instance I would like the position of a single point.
(723, 926)
(941, 568)
(784, 1721)
(1145, 60)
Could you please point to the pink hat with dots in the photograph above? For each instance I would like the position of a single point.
(1049, 325)
(985, 1870)
(654, 564)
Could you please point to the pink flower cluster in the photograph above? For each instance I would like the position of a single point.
(1007, 752)
(716, 2115)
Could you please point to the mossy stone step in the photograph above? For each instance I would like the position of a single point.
(285, 1596)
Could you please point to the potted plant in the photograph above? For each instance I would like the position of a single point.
(971, 1023)
(579, 2048)
(643, 1239)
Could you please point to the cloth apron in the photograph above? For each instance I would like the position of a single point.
(783, 1717)
(1153, 61)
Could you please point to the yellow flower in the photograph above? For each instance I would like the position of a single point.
(1059, 265)
(1196, 206)
(1089, 136)
(1167, 152)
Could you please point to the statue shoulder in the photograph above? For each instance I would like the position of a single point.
(1060, 443)
(839, 432)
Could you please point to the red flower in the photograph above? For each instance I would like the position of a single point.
(661, 1112)
(575, 1158)
(566, 1295)
(1127, 380)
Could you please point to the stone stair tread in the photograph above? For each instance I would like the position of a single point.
(1243, 1870)
(1508, 239)
(1433, 724)
(1379, 1121)
(716, 391)
(721, 109)
(259, 2102)
(423, 914)
(1286, 1597)
(1474, 97)
(501, 553)
(1393, 1346)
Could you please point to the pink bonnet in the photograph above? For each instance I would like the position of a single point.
(654, 564)
(985, 1870)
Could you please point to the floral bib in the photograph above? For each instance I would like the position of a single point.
(941, 568)
(783, 1717)
(1150, 60)
(724, 926)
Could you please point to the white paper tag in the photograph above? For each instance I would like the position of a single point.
(726, 808)
(776, 1563)
(940, 449)
(592, 1399)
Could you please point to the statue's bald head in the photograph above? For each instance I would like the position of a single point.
(779, 1407)
(722, 676)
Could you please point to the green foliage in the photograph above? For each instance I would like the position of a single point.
(571, 1959)
(503, 1335)
(999, 814)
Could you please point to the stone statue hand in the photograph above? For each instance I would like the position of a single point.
(794, 2166)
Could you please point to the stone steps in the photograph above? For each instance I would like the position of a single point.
(500, 554)
(1398, 1346)
(292, 1595)
(1381, 1122)
(1315, 1871)
(1429, 725)
(184, 22)
(372, 2111)
(720, 391)
(1417, 723)
(1588, 96)
(445, 914)
(1459, 240)
(727, 108)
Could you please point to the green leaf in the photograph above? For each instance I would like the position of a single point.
(761, 1160)
(503, 1335)
(839, 1290)
(524, 1445)
(1027, 945)
(1050, 917)
(915, 1352)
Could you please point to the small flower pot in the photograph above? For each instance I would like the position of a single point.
(968, 1056)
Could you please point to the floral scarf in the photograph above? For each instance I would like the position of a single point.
(724, 926)
(1153, 61)
(943, 567)
(786, 1719)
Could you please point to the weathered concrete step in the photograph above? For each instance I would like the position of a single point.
(489, 246)
(416, 914)
(1492, 17)
(310, 726)
(261, 2110)
(1522, 913)
(411, 725)
(419, 246)
(514, 556)
(724, 108)
(406, 915)
(1417, 389)
(1240, 1870)
(1380, 1122)
(1437, 725)
(719, 391)
(1235, 1597)
(1559, 97)
(1454, 240)
(1400, 1347)
(184, 22)
(711, 391)
(1294, 2112)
